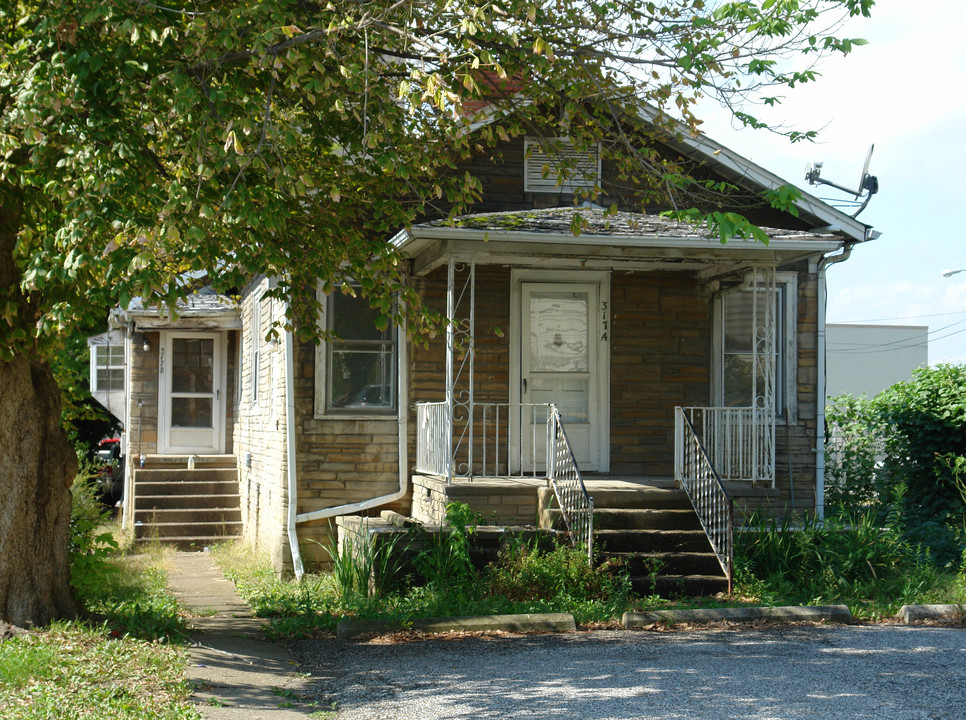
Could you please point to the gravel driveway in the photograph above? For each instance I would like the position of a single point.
(880, 671)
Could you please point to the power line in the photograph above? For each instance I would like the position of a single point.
(904, 343)
(903, 317)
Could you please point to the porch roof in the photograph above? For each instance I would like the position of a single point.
(602, 240)
(201, 310)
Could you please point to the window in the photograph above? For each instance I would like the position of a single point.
(734, 350)
(361, 359)
(255, 347)
(107, 367)
(554, 165)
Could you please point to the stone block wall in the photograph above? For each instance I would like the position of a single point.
(260, 433)
(660, 358)
(506, 505)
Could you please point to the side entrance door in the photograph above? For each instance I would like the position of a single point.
(191, 402)
(561, 356)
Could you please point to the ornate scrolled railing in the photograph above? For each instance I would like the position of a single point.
(487, 440)
(712, 503)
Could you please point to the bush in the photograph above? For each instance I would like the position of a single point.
(90, 545)
(871, 567)
(913, 436)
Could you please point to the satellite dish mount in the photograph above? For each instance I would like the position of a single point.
(868, 184)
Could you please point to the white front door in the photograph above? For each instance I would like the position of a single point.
(562, 349)
(191, 403)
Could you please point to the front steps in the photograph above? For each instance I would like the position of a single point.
(654, 532)
(187, 508)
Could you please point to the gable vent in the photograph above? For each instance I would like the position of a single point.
(543, 165)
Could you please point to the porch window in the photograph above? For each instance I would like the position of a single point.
(361, 359)
(107, 368)
(734, 361)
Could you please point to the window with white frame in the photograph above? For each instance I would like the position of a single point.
(255, 348)
(107, 368)
(360, 360)
(555, 165)
(734, 358)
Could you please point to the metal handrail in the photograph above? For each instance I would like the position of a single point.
(485, 440)
(576, 504)
(712, 503)
(739, 441)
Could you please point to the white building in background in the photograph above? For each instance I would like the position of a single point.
(866, 359)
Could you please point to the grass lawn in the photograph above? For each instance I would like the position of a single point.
(127, 661)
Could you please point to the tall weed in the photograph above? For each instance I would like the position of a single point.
(870, 566)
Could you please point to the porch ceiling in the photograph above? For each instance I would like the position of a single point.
(544, 238)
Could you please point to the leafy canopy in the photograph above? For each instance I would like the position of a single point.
(139, 140)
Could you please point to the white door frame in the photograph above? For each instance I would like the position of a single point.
(600, 329)
(220, 374)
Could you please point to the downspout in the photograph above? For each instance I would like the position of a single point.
(293, 539)
(403, 440)
(823, 264)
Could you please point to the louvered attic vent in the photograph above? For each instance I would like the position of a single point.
(543, 164)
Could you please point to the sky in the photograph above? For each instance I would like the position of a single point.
(905, 92)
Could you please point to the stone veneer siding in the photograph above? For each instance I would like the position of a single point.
(661, 346)
(260, 437)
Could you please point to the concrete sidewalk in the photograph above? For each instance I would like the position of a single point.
(236, 675)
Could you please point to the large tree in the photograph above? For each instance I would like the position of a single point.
(143, 138)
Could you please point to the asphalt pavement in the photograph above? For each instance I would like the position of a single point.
(721, 671)
(885, 672)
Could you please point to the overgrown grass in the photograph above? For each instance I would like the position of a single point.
(869, 566)
(524, 580)
(124, 660)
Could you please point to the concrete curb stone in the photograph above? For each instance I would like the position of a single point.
(915, 613)
(529, 622)
(816, 613)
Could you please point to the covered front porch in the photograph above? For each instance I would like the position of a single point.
(638, 352)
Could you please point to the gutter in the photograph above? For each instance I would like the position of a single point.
(403, 440)
(823, 265)
(293, 539)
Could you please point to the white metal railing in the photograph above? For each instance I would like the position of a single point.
(576, 505)
(739, 441)
(711, 501)
(506, 440)
(485, 440)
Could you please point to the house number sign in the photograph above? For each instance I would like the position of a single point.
(603, 321)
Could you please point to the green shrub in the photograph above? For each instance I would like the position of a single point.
(446, 563)
(911, 435)
(855, 560)
(90, 545)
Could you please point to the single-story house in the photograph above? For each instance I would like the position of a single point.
(647, 343)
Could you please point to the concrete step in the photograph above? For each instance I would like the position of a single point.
(166, 530)
(645, 497)
(631, 519)
(199, 501)
(672, 563)
(181, 475)
(187, 487)
(188, 515)
(194, 543)
(669, 586)
(182, 461)
(651, 541)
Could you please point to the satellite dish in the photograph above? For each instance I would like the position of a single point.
(865, 170)
(868, 184)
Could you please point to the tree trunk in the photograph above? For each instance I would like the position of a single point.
(37, 464)
(37, 467)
